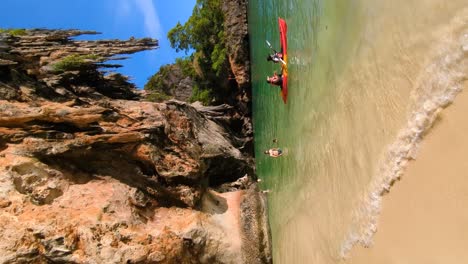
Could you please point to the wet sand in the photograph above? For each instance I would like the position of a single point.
(424, 217)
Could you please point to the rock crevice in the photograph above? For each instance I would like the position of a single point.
(90, 173)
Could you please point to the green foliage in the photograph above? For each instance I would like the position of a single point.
(186, 65)
(157, 81)
(218, 56)
(200, 32)
(207, 66)
(14, 31)
(164, 80)
(74, 62)
(202, 95)
(204, 32)
(179, 38)
(156, 96)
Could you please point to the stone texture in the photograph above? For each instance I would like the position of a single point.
(237, 40)
(91, 174)
(176, 84)
(36, 53)
(238, 50)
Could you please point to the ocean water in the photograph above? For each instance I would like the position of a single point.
(367, 80)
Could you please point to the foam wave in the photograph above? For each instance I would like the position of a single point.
(437, 87)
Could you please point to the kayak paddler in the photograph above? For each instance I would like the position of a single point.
(276, 79)
(275, 57)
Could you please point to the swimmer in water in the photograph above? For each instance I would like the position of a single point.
(274, 152)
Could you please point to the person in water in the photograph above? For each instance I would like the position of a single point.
(274, 152)
(276, 79)
(275, 57)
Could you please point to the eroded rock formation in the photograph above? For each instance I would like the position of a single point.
(237, 40)
(91, 174)
(237, 45)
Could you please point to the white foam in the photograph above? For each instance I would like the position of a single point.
(437, 87)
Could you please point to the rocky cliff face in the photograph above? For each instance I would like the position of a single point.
(237, 40)
(235, 80)
(91, 174)
(237, 45)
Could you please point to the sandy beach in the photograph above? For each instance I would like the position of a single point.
(424, 217)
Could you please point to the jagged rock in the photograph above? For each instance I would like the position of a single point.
(89, 174)
(237, 40)
(173, 82)
(39, 51)
(138, 198)
(237, 45)
(4, 202)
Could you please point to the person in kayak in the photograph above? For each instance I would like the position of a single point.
(276, 79)
(275, 57)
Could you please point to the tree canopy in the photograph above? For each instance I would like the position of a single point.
(203, 34)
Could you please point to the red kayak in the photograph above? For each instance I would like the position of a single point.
(283, 29)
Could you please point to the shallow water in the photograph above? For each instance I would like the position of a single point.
(366, 81)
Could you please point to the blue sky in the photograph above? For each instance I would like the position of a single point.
(115, 19)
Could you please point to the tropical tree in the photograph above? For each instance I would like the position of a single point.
(204, 33)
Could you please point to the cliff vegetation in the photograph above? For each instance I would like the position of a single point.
(203, 34)
(92, 173)
(218, 66)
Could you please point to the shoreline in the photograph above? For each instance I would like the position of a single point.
(435, 89)
(423, 219)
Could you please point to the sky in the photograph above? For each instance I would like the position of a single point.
(115, 19)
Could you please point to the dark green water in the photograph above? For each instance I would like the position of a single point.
(361, 79)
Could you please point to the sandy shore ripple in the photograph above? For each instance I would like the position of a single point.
(424, 218)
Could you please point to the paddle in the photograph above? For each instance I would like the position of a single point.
(269, 45)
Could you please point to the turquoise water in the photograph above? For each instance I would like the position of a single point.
(366, 79)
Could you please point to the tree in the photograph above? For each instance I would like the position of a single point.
(162, 84)
(204, 33)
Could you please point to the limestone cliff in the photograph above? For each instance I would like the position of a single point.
(237, 40)
(89, 173)
(232, 84)
(237, 46)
